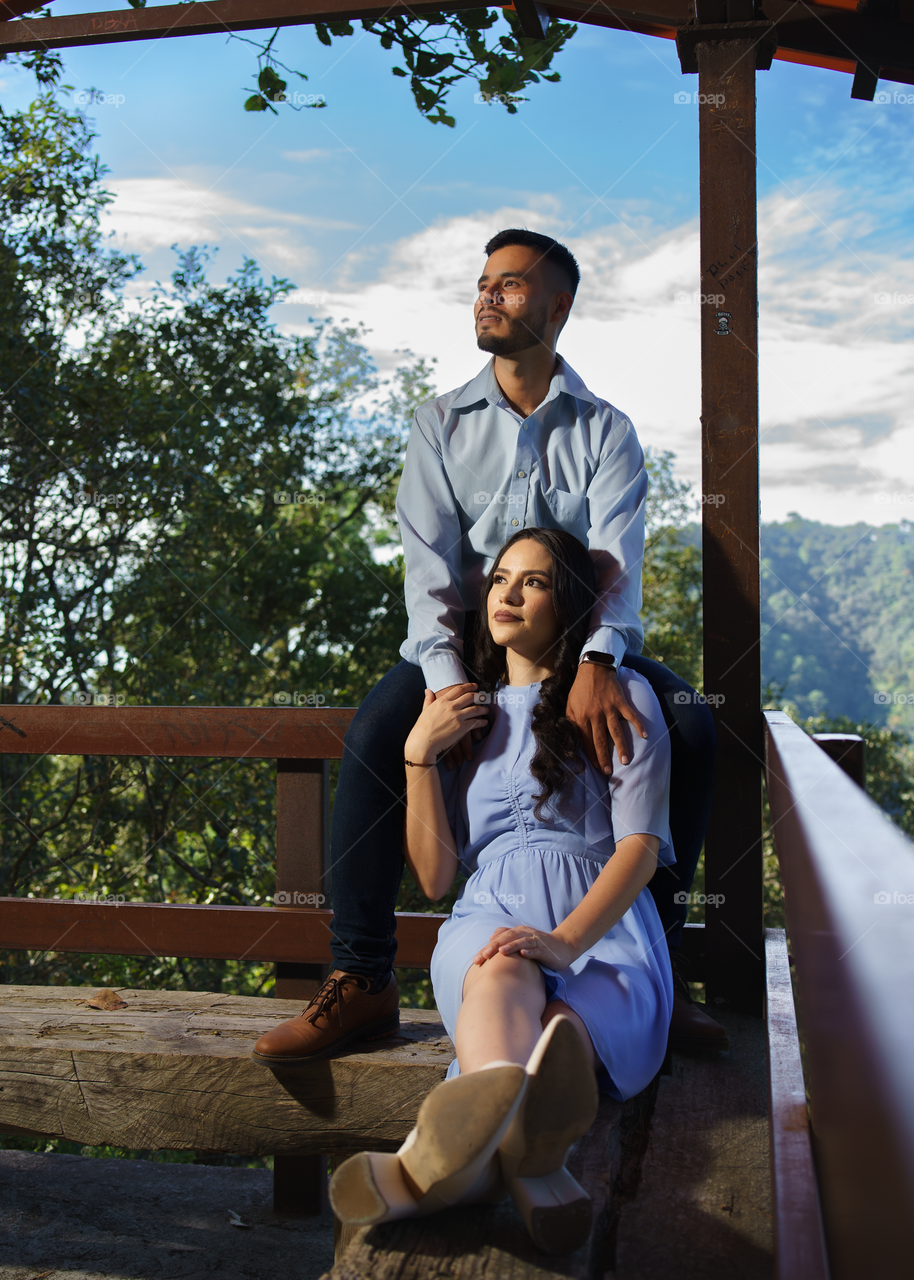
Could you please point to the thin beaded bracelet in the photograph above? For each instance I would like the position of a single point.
(419, 764)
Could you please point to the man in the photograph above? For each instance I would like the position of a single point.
(523, 444)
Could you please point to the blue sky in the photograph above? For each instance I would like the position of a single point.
(379, 216)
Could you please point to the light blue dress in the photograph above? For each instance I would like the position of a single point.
(523, 871)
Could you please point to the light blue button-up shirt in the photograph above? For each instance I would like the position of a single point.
(476, 472)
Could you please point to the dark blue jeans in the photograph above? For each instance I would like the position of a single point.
(366, 845)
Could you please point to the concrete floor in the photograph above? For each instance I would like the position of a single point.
(78, 1218)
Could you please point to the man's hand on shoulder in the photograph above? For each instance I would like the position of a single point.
(599, 709)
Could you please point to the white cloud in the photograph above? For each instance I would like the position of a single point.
(836, 374)
(149, 214)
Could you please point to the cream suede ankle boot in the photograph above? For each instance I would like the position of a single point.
(447, 1157)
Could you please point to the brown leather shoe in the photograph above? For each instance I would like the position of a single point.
(691, 1027)
(343, 1010)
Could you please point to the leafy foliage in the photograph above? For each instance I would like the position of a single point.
(438, 51)
(150, 552)
(671, 576)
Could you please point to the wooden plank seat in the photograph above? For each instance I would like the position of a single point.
(173, 1071)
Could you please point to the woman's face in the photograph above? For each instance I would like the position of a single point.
(520, 609)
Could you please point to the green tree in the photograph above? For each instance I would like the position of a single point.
(671, 577)
(192, 505)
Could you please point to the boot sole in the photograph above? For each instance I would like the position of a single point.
(560, 1105)
(378, 1030)
(460, 1125)
(369, 1188)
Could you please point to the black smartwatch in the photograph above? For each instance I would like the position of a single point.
(599, 659)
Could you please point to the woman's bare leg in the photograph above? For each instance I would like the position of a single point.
(501, 1014)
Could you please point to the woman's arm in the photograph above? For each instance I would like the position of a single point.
(626, 873)
(428, 842)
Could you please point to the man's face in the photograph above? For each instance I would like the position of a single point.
(521, 302)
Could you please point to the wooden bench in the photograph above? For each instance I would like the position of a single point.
(173, 1071)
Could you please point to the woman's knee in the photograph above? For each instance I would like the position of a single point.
(504, 971)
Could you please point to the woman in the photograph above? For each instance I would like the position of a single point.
(554, 956)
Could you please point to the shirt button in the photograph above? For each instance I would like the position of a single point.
(521, 474)
(515, 523)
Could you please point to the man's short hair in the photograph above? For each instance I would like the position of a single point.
(552, 250)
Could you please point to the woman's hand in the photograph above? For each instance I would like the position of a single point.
(445, 719)
(533, 944)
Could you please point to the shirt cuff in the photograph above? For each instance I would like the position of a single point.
(607, 640)
(442, 671)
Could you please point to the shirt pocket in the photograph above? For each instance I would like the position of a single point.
(570, 512)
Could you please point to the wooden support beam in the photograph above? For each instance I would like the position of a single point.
(205, 17)
(302, 803)
(799, 1241)
(249, 733)
(296, 934)
(730, 505)
(848, 876)
(847, 750)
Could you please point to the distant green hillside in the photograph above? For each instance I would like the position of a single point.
(838, 618)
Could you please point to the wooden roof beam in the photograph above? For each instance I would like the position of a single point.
(205, 17)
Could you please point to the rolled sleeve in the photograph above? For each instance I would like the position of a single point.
(616, 497)
(431, 536)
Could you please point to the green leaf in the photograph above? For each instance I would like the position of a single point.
(256, 103)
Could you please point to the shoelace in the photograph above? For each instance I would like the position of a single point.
(330, 994)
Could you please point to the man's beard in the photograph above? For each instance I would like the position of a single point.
(521, 335)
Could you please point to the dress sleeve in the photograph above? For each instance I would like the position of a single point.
(640, 790)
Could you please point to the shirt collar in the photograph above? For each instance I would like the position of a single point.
(485, 386)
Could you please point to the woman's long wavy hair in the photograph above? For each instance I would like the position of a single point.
(558, 743)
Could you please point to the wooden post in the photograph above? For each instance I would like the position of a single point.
(725, 57)
(302, 787)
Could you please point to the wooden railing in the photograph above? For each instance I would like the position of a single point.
(848, 876)
(302, 741)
